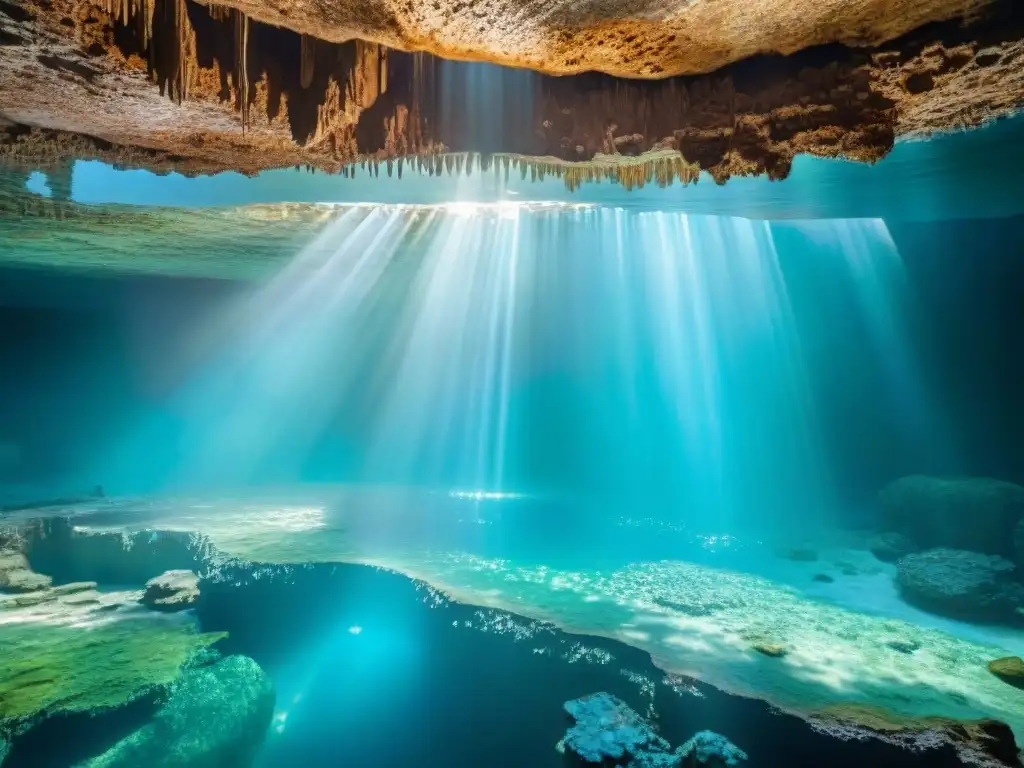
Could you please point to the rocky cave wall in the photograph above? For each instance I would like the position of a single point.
(174, 85)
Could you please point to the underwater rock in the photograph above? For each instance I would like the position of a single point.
(171, 591)
(984, 742)
(710, 748)
(775, 650)
(1009, 669)
(73, 588)
(977, 514)
(607, 730)
(17, 576)
(66, 653)
(890, 547)
(904, 646)
(215, 716)
(960, 584)
(824, 578)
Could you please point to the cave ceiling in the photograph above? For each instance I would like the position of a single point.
(637, 91)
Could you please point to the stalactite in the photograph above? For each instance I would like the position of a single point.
(242, 66)
(307, 60)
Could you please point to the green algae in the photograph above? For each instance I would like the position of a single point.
(50, 668)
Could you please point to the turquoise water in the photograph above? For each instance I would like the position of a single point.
(597, 447)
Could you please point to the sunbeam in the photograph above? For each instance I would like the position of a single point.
(440, 346)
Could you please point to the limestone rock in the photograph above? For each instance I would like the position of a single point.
(171, 591)
(775, 650)
(984, 742)
(961, 584)
(974, 513)
(890, 547)
(73, 588)
(1009, 669)
(17, 576)
(215, 716)
(712, 749)
(371, 99)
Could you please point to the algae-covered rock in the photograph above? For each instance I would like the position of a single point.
(975, 513)
(215, 717)
(171, 591)
(891, 546)
(961, 584)
(712, 749)
(1009, 669)
(79, 657)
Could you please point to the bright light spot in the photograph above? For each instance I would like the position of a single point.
(484, 495)
(293, 519)
(280, 718)
(355, 630)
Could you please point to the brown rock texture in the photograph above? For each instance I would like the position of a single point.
(625, 38)
(174, 85)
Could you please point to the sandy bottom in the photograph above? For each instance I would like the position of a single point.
(848, 640)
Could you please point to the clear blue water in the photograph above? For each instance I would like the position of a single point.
(609, 417)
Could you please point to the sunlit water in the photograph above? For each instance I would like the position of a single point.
(616, 421)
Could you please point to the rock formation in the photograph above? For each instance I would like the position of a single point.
(607, 732)
(1009, 669)
(174, 84)
(16, 575)
(171, 591)
(961, 584)
(986, 743)
(977, 514)
(215, 716)
(712, 749)
(890, 547)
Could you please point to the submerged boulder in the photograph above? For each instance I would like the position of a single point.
(1009, 669)
(891, 546)
(17, 576)
(710, 748)
(215, 717)
(171, 591)
(961, 584)
(973, 513)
